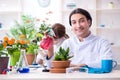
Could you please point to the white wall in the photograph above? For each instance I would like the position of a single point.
(31, 7)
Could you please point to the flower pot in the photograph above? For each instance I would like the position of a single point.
(14, 59)
(3, 63)
(54, 70)
(61, 64)
(30, 58)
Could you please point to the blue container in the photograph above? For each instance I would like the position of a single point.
(23, 70)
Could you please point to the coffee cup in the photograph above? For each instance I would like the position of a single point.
(108, 64)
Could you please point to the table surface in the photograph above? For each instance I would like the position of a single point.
(37, 74)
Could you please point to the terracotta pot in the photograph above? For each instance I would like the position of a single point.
(30, 58)
(54, 70)
(3, 63)
(60, 64)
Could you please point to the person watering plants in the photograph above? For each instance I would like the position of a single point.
(54, 42)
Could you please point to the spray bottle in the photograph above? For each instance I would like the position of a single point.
(47, 40)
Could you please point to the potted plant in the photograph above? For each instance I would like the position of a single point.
(4, 59)
(32, 52)
(10, 47)
(24, 33)
(61, 61)
(25, 28)
(44, 25)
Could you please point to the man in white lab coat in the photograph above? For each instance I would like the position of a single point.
(86, 48)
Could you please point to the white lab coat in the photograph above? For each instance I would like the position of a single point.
(90, 52)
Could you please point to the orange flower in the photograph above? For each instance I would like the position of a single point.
(28, 21)
(4, 44)
(17, 41)
(22, 42)
(37, 19)
(27, 41)
(5, 38)
(11, 41)
(22, 36)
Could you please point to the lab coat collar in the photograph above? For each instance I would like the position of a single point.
(90, 37)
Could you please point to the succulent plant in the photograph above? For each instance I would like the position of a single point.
(62, 54)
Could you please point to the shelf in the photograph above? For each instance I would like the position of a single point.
(10, 11)
(108, 28)
(108, 32)
(109, 10)
(69, 10)
(116, 46)
(3, 29)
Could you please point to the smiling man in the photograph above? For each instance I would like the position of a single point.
(86, 48)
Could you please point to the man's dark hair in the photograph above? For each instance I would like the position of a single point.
(81, 11)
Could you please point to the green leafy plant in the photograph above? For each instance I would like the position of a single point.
(9, 46)
(43, 27)
(24, 32)
(1, 46)
(62, 54)
(2, 51)
(31, 48)
(26, 28)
